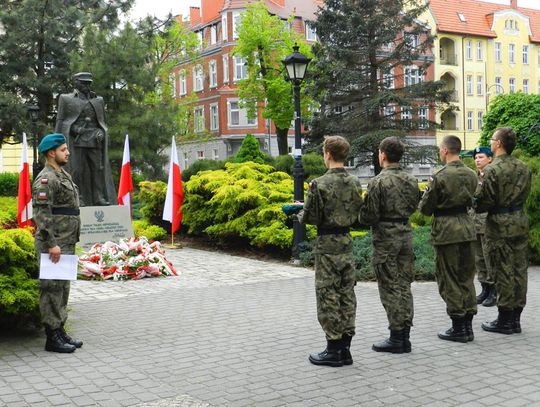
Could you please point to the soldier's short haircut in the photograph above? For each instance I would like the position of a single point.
(393, 147)
(337, 146)
(452, 143)
(507, 137)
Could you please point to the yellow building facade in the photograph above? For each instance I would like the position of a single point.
(10, 157)
(484, 49)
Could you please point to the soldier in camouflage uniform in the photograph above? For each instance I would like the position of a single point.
(488, 295)
(56, 214)
(391, 198)
(448, 197)
(332, 204)
(505, 185)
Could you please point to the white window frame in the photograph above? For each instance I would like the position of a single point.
(479, 51)
(200, 155)
(423, 117)
(224, 28)
(186, 160)
(236, 20)
(526, 89)
(406, 113)
(470, 85)
(412, 40)
(311, 34)
(412, 75)
(240, 68)
(183, 82)
(233, 107)
(498, 81)
(470, 120)
(214, 117)
(199, 122)
(480, 117)
(389, 112)
(498, 52)
(200, 39)
(215, 154)
(212, 73)
(198, 78)
(525, 55)
(388, 79)
(213, 34)
(512, 85)
(225, 68)
(479, 85)
(512, 53)
(468, 50)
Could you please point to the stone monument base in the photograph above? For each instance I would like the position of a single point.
(100, 224)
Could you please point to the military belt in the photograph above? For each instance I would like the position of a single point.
(450, 211)
(66, 211)
(403, 221)
(332, 231)
(508, 209)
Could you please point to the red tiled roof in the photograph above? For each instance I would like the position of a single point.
(478, 15)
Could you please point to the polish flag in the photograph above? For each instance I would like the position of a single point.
(24, 196)
(126, 183)
(175, 194)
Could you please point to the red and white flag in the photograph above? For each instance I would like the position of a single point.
(24, 196)
(175, 194)
(126, 183)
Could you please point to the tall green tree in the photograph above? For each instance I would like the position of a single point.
(519, 111)
(132, 71)
(36, 38)
(359, 74)
(264, 41)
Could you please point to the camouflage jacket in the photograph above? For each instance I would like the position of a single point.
(333, 201)
(452, 187)
(506, 183)
(54, 189)
(393, 194)
(480, 222)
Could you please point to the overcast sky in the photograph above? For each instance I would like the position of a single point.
(161, 8)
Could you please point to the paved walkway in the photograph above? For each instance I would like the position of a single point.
(233, 331)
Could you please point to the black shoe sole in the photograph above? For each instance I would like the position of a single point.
(325, 362)
(388, 350)
(459, 339)
(347, 362)
(59, 350)
(499, 331)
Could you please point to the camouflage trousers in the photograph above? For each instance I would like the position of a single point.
(334, 289)
(509, 258)
(393, 265)
(454, 272)
(54, 295)
(481, 261)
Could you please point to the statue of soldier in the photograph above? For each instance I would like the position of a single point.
(81, 118)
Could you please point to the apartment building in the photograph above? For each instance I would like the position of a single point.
(485, 49)
(214, 78)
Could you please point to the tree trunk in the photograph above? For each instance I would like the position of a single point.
(375, 159)
(283, 146)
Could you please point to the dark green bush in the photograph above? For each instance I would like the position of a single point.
(151, 232)
(201, 165)
(9, 183)
(421, 220)
(19, 293)
(8, 212)
(152, 195)
(284, 163)
(250, 150)
(313, 164)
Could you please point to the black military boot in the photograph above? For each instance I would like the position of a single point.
(504, 324)
(407, 347)
(457, 333)
(331, 356)
(346, 349)
(394, 344)
(491, 299)
(69, 339)
(517, 320)
(468, 327)
(55, 342)
(483, 294)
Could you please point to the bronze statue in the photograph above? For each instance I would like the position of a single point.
(81, 118)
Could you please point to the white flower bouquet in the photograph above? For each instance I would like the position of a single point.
(130, 259)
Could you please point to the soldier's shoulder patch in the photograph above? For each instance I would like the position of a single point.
(43, 195)
(44, 180)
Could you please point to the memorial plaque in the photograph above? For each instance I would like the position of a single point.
(100, 224)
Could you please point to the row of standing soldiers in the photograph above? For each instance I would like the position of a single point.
(334, 204)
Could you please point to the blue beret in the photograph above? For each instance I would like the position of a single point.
(51, 141)
(483, 150)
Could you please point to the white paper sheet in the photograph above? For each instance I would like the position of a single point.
(65, 269)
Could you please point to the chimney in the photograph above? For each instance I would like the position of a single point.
(513, 4)
(194, 16)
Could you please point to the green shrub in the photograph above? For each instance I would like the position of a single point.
(9, 183)
(313, 164)
(284, 163)
(201, 165)
(250, 150)
(8, 212)
(152, 195)
(417, 219)
(151, 232)
(533, 208)
(19, 293)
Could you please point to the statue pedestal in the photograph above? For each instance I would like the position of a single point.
(100, 224)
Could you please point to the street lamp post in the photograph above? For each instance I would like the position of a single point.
(33, 110)
(296, 66)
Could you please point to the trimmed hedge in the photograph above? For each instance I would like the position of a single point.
(9, 183)
(8, 212)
